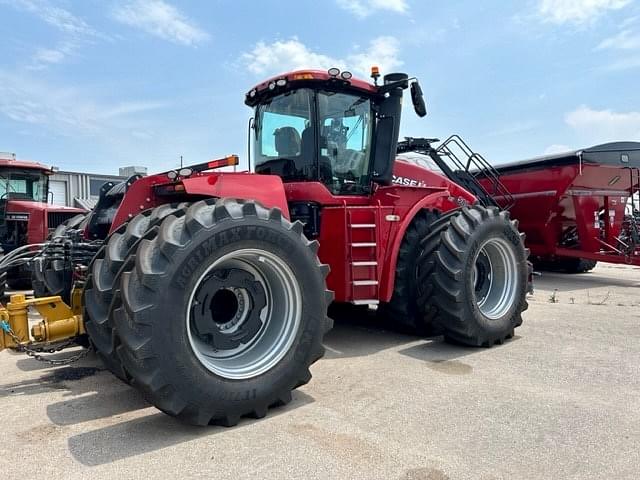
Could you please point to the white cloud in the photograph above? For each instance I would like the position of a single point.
(364, 8)
(44, 57)
(75, 31)
(49, 55)
(382, 51)
(57, 17)
(624, 64)
(604, 125)
(577, 11)
(161, 19)
(285, 55)
(130, 108)
(557, 148)
(65, 110)
(625, 40)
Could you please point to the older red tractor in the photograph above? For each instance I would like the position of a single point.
(211, 291)
(26, 217)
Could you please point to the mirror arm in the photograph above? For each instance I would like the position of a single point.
(404, 84)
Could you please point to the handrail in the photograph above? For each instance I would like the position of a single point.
(476, 166)
(464, 173)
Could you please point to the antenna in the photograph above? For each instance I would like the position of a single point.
(180, 161)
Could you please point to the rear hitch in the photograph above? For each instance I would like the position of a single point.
(60, 322)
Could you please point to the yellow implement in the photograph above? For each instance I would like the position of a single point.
(59, 321)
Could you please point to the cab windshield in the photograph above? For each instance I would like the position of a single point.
(23, 185)
(308, 135)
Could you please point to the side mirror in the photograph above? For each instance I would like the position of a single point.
(385, 149)
(418, 99)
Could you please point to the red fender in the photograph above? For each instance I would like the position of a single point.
(267, 190)
(440, 201)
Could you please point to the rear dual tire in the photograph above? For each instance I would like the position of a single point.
(181, 339)
(472, 276)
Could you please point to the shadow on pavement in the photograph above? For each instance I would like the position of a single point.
(445, 358)
(102, 404)
(564, 282)
(60, 378)
(356, 337)
(152, 433)
(362, 333)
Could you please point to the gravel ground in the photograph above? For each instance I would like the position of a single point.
(561, 400)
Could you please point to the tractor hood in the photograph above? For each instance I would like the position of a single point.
(422, 172)
(37, 218)
(30, 206)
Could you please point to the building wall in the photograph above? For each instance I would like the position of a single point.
(78, 187)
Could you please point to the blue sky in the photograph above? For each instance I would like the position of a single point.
(96, 84)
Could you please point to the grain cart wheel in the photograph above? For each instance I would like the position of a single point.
(51, 277)
(222, 312)
(473, 278)
(403, 309)
(577, 265)
(103, 281)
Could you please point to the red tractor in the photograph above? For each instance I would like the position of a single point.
(211, 291)
(25, 216)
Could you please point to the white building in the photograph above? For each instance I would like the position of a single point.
(78, 189)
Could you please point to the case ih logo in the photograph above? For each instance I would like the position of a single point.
(408, 182)
(18, 217)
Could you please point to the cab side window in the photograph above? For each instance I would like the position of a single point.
(345, 141)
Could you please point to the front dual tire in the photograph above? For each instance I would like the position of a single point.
(219, 311)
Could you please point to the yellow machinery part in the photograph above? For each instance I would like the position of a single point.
(16, 314)
(62, 329)
(60, 321)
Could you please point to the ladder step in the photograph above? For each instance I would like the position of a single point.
(364, 244)
(366, 302)
(363, 225)
(360, 283)
(364, 264)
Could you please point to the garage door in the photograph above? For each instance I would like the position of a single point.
(59, 190)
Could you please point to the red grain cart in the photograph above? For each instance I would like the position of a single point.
(578, 207)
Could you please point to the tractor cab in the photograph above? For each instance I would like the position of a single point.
(26, 181)
(25, 216)
(22, 184)
(328, 127)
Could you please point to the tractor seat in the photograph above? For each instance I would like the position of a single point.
(287, 142)
(307, 160)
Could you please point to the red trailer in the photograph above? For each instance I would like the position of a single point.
(578, 207)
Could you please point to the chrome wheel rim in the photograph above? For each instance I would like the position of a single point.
(244, 314)
(495, 278)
